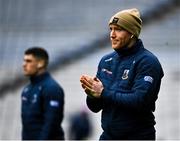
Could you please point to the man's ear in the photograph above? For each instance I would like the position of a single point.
(40, 64)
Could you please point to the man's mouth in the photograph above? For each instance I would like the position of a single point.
(114, 41)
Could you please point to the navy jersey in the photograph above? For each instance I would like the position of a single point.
(131, 80)
(42, 109)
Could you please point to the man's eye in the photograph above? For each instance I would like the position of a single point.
(28, 61)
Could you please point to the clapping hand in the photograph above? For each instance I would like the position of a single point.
(92, 86)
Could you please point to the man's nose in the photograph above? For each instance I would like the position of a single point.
(112, 34)
(23, 64)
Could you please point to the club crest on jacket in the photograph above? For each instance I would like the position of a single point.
(125, 74)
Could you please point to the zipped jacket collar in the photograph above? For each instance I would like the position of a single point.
(129, 51)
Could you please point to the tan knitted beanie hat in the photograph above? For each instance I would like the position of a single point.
(128, 19)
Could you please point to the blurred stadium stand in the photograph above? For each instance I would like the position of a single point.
(75, 34)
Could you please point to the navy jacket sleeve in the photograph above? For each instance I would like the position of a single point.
(145, 87)
(94, 104)
(53, 98)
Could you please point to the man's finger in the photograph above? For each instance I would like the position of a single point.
(86, 87)
(83, 86)
(86, 82)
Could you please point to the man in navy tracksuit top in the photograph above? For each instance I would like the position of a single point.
(127, 83)
(42, 100)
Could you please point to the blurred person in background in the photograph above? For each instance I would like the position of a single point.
(127, 83)
(42, 99)
(80, 125)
